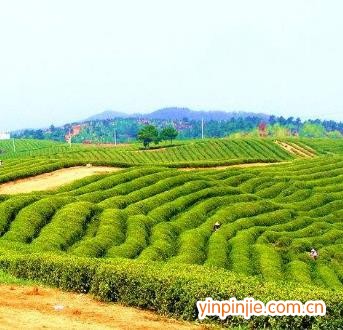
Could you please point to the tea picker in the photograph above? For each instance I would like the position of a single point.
(216, 226)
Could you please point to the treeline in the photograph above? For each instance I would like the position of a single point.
(127, 129)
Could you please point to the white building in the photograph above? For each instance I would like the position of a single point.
(5, 136)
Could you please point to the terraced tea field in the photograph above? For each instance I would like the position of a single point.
(150, 220)
(271, 219)
(223, 150)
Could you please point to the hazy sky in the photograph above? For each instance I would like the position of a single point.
(63, 60)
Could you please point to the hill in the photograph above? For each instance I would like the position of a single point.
(107, 115)
(175, 113)
(111, 127)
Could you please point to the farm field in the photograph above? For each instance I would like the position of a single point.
(132, 154)
(135, 228)
(182, 152)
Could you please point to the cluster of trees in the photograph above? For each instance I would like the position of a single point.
(150, 133)
(311, 129)
(127, 129)
(308, 129)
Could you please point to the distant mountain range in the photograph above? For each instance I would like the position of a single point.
(174, 113)
(108, 115)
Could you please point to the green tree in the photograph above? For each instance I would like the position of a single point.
(312, 130)
(334, 134)
(278, 131)
(169, 133)
(148, 134)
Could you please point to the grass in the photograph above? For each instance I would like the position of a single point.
(8, 279)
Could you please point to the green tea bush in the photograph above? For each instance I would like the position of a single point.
(241, 251)
(31, 219)
(166, 181)
(299, 271)
(137, 238)
(172, 289)
(269, 262)
(328, 277)
(10, 208)
(123, 188)
(146, 205)
(73, 217)
(110, 232)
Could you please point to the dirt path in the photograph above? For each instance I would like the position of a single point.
(53, 179)
(24, 307)
(60, 177)
(229, 166)
(295, 150)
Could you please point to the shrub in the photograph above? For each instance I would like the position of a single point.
(32, 218)
(173, 290)
(10, 208)
(111, 231)
(73, 217)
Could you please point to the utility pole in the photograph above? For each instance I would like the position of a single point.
(115, 137)
(202, 128)
(69, 138)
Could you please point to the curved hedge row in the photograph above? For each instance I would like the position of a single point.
(66, 227)
(31, 219)
(173, 290)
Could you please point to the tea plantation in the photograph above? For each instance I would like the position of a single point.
(144, 235)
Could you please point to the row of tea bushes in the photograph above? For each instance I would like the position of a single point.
(174, 290)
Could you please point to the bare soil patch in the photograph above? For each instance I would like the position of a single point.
(297, 151)
(53, 179)
(24, 307)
